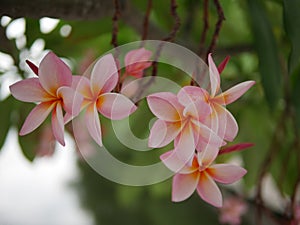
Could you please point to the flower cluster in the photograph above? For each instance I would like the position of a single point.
(58, 91)
(199, 124)
(195, 119)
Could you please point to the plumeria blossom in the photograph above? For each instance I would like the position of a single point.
(98, 97)
(232, 211)
(182, 123)
(52, 90)
(201, 176)
(136, 61)
(221, 120)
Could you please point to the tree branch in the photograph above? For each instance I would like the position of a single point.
(65, 9)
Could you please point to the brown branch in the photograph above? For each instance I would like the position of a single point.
(218, 27)
(177, 23)
(205, 28)
(171, 38)
(146, 20)
(63, 9)
(115, 19)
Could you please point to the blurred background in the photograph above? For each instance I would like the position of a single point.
(42, 182)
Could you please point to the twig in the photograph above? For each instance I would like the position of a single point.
(177, 23)
(146, 20)
(115, 19)
(205, 28)
(221, 17)
(171, 38)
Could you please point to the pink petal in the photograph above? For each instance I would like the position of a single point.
(214, 76)
(104, 75)
(226, 173)
(136, 61)
(189, 94)
(171, 160)
(183, 186)
(57, 121)
(204, 137)
(115, 106)
(93, 123)
(209, 191)
(30, 90)
(137, 55)
(33, 67)
(233, 93)
(185, 145)
(223, 64)
(162, 133)
(199, 110)
(67, 118)
(72, 100)
(37, 115)
(228, 127)
(212, 121)
(81, 84)
(54, 73)
(164, 105)
(207, 156)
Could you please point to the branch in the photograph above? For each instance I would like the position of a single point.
(177, 23)
(65, 9)
(205, 28)
(146, 20)
(115, 25)
(218, 27)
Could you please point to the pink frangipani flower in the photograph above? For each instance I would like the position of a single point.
(52, 89)
(232, 211)
(136, 61)
(98, 97)
(201, 175)
(220, 120)
(182, 123)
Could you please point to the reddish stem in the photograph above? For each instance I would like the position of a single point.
(115, 19)
(218, 27)
(146, 20)
(205, 27)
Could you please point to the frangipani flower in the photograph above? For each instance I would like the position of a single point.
(136, 61)
(232, 211)
(52, 89)
(201, 175)
(182, 123)
(97, 96)
(221, 120)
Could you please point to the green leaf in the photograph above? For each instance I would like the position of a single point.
(266, 48)
(5, 112)
(292, 24)
(256, 125)
(28, 144)
(32, 31)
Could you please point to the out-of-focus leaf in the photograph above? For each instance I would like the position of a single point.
(284, 165)
(292, 24)
(266, 48)
(5, 112)
(256, 125)
(32, 30)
